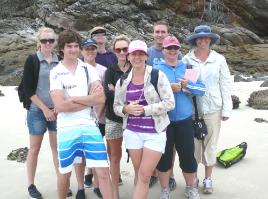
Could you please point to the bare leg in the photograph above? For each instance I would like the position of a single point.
(95, 178)
(79, 172)
(148, 163)
(189, 178)
(63, 185)
(208, 171)
(53, 146)
(115, 157)
(89, 171)
(135, 155)
(105, 182)
(35, 145)
(164, 178)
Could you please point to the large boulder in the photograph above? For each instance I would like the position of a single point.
(264, 84)
(259, 100)
(236, 36)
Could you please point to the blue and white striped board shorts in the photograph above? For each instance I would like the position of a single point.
(77, 142)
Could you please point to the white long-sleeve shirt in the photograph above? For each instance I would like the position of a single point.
(215, 74)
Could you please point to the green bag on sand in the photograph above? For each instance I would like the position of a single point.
(228, 157)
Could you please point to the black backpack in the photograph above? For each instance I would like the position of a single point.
(21, 91)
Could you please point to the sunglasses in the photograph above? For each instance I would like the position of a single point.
(45, 41)
(98, 34)
(172, 48)
(119, 50)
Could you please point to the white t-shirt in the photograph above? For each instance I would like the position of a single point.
(74, 85)
(101, 72)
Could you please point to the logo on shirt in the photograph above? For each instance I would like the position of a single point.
(68, 87)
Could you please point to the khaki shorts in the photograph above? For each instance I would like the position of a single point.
(113, 130)
(208, 157)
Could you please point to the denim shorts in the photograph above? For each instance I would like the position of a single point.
(37, 123)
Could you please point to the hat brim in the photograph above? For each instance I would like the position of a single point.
(136, 49)
(215, 38)
(171, 44)
(86, 45)
(97, 29)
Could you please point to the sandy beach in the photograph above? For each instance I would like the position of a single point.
(245, 180)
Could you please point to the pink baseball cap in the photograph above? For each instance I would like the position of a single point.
(171, 41)
(137, 45)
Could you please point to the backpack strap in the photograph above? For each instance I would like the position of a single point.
(195, 108)
(154, 79)
(86, 71)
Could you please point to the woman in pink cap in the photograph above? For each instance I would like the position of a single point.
(144, 110)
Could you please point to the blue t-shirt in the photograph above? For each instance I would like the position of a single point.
(155, 56)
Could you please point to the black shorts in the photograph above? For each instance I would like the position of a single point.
(180, 134)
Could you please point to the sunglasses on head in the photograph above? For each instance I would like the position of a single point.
(45, 41)
(172, 48)
(119, 50)
(98, 34)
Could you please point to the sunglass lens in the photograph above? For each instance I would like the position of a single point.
(173, 48)
(45, 41)
(118, 50)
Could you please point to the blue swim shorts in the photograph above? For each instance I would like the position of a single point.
(77, 142)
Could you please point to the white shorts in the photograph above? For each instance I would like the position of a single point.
(137, 140)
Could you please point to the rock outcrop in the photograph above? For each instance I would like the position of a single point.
(235, 101)
(253, 14)
(259, 100)
(264, 84)
(19, 155)
(246, 52)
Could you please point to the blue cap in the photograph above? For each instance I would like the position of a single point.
(89, 42)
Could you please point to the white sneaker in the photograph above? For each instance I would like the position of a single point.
(207, 186)
(165, 193)
(191, 193)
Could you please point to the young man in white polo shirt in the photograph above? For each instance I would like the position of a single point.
(75, 87)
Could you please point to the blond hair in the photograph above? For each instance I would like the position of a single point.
(120, 38)
(40, 31)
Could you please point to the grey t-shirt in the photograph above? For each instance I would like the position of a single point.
(42, 90)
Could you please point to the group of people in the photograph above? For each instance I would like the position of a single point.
(133, 93)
